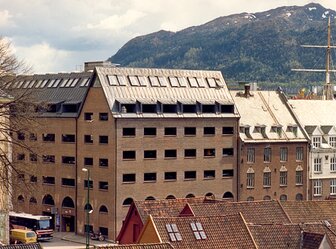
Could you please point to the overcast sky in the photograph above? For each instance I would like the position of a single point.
(59, 35)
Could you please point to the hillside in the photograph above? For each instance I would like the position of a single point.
(260, 47)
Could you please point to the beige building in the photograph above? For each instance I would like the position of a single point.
(140, 133)
(273, 148)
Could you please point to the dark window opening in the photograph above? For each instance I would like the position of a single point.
(88, 161)
(128, 132)
(88, 183)
(128, 177)
(190, 175)
(227, 108)
(149, 177)
(150, 154)
(189, 108)
(190, 131)
(88, 139)
(149, 131)
(48, 158)
(48, 137)
(227, 173)
(103, 162)
(227, 151)
(170, 153)
(103, 231)
(149, 108)
(127, 202)
(88, 116)
(103, 185)
(168, 108)
(209, 152)
(32, 137)
(48, 179)
(21, 177)
(33, 157)
(227, 130)
(170, 176)
(68, 159)
(21, 156)
(103, 139)
(52, 108)
(209, 108)
(103, 209)
(129, 155)
(209, 173)
(128, 108)
(190, 153)
(209, 131)
(170, 131)
(21, 136)
(68, 138)
(68, 182)
(70, 108)
(33, 178)
(103, 116)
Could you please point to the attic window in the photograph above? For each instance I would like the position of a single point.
(173, 232)
(193, 82)
(211, 82)
(128, 108)
(173, 82)
(183, 81)
(197, 228)
(200, 82)
(154, 81)
(209, 108)
(85, 82)
(113, 81)
(227, 108)
(149, 108)
(169, 108)
(189, 108)
(163, 81)
(134, 80)
(70, 108)
(143, 80)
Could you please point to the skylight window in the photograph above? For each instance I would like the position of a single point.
(51, 83)
(75, 81)
(174, 82)
(122, 80)
(26, 84)
(31, 84)
(20, 84)
(183, 81)
(211, 82)
(57, 83)
(68, 84)
(200, 81)
(173, 232)
(64, 82)
(44, 83)
(113, 81)
(134, 80)
(193, 82)
(143, 80)
(163, 81)
(197, 228)
(85, 82)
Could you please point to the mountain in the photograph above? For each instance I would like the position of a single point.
(258, 47)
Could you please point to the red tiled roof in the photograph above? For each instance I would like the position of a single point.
(312, 240)
(139, 246)
(221, 232)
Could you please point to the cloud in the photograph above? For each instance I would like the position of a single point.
(4, 18)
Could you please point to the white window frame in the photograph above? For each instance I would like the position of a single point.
(267, 179)
(283, 178)
(332, 163)
(250, 179)
(299, 153)
(316, 141)
(332, 141)
(250, 155)
(317, 185)
(283, 154)
(333, 186)
(317, 164)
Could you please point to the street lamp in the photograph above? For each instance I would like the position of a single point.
(88, 210)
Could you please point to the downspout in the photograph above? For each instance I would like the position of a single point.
(76, 176)
(115, 177)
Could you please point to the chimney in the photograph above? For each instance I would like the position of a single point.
(90, 65)
(247, 88)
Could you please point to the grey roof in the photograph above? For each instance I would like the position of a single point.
(167, 86)
(58, 89)
(310, 129)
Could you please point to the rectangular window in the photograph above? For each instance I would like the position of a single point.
(250, 155)
(209, 152)
(170, 154)
(317, 187)
(68, 138)
(299, 177)
(333, 163)
(21, 156)
(173, 232)
(318, 165)
(149, 131)
(103, 162)
(103, 139)
(128, 178)
(283, 178)
(48, 180)
(103, 185)
(169, 108)
(128, 132)
(227, 173)
(150, 154)
(189, 175)
(33, 178)
(48, 137)
(316, 142)
(88, 116)
(68, 159)
(150, 177)
(209, 131)
(88, 139)
(88, 161)
(88, 184)
(170, 131)
(267, 180)
(21, 136)
(149, 108)
(129, 155)
(250, 180)
(103, 116)
(332, 141)
(333, 186)
(209, 174)
(190, 153)
(197, 228)
(299, 153)
(68, 182)
(48, 158)
(267, 154)
(190, 131)
(227, 130)
(283, 154)
(32, 137)
(33, 157)
(170, 176)
(227, 152)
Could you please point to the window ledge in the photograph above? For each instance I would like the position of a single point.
(150, 181)
(189, 179)
(190, 157)
(103, 190)
(299, 184)
(283, 186)
(227, 177)
(169, 158)
(209, 156)
(130, 136)
(209, 178)
(150, 158)
(250, 187)
(128, 182)
(67, 186)
(266, 186)
(128, 159)
(170, 180)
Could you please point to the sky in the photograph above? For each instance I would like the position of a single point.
(60, 35)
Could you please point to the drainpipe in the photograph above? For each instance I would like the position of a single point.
(76, 176)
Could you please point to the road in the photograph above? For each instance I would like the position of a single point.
(59, 243)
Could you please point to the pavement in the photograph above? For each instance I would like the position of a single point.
(80, 239)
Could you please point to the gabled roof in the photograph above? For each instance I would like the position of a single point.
(312, 240)
(219, 232)
(256, 212)
(139, 246)
(326, 128)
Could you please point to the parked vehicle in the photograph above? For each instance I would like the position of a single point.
(97, 236)
(22, 236)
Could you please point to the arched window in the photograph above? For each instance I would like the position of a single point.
(267, 198)
(103, 209)
(283, 197)
(33, 200)
(170, 197)
(190, 196)
(250, 198)
(299, 197)
(127, 202)
(68, 202)
(210, 195)
(88, 207)
(20, 199)
(150, 198)
(228, 195)
(48, 200)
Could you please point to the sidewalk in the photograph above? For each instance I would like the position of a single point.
(80, 239)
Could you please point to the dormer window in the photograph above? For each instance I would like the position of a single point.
(332, 141)
(293, 128)
(316, 142)
(246, 130)
(277, 129)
